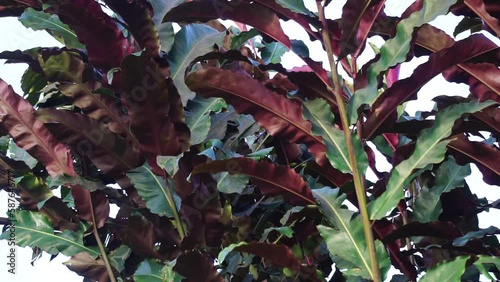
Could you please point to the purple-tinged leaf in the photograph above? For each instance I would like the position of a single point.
(91, 206)
(138, 15)
(358, 18)
(406, 89)
(481, 85)
(272, 179)
(276, 113)
(259, 17)
(445, 230)
(17, 116)
(480, 9)
(154, 107)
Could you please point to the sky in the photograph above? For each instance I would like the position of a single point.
(15, 36)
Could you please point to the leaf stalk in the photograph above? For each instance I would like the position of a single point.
(358, 178)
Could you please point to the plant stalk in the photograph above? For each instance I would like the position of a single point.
(358, 178)
(99, 243)
(171, 203)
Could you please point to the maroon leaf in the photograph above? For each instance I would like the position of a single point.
(257, 16)
(277, 114)
(195, 267)
(154, 107)
(483, 155)
(438, 229)
(106, 45)
(85, 265)
(480, 9)
(280, 255)
(404, 90)
(140, 237)
(109, 152)
(138, 16)
(272, 179)
(91, 206)
(358, 18)
(17, 116)
(480, 85)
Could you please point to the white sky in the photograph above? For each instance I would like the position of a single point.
(15, 36)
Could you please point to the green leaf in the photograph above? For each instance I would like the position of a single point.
(86, 183)
(395, 50)
(191, 42)
(488, 260)
(117, 257)
(319, 113)
(430, 148)
(447, 271)
(32, 84)
(33, 229)
(239, 40)
(462, 241)
(19, 154)
(296, 6)
(161, 7)
(153, 191)
(198, 116)
(229, 184)
(272, 53)
(283, 230)
(449, 175)
(39, 20)
(169, 163)
(150, 271)
(347, 242)
(167, 36)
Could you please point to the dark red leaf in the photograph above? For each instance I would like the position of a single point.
(140, 237)
(85, 265)
(17, 116)
(480, 9)
(91, 205)
(481, 84)
(154, 107)
(109, 152)
(106, 45)
(445, 230)
(404, 90)
(138, 15)
(257, 16)
(483, 155)
(277, 114)
(279, 255)
(358, 18)
(196, 267)
(272, 179)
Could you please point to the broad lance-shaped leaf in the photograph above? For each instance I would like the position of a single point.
(470, 48)
(479, 8)
(278, 254)
(319, 113)
(357, 20)
(484, 263)
(151, 271)
(449, 176)
(198, 116)
(153, 191)
(347, 243)
(39, 20)
(279, 115)
(75, 79)
(394, 51)
(272, 179)
(447, 270)
(462, 241)
(430, 148)
(17, 116)
(191, 42)
(106, 44)
(109, 152)
(138, 15)
(296, 6)
(154, 107)
(33, 229)
(261, 18)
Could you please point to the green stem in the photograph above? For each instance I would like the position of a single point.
(171, 203)
(99, 242)
(357, 176)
